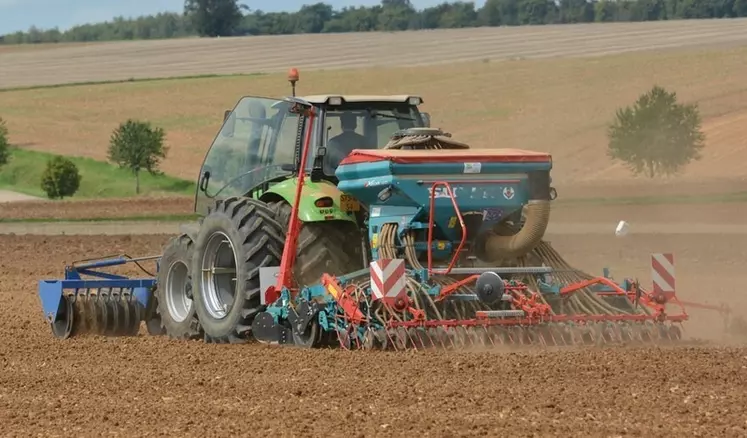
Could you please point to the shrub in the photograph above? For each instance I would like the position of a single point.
(60, 178)
(4, 144)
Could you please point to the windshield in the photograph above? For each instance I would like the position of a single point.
(256, 139)
(364, 126)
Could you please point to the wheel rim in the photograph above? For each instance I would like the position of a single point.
(218, 283)
(177, 282)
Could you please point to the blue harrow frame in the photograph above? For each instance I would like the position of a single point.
(113, 304)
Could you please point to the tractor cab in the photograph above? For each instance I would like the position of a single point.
(261, 138)
(348, 122)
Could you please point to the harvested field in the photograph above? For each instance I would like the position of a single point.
(522, 102)
(153, 386)
(193, 56)
(514, 104)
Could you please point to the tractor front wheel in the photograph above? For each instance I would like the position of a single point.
(174, 291)
(238, 237)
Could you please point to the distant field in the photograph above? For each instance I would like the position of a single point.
(560, 104)
(139, 59)
(36, 47)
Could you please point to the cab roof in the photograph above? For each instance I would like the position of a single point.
(324, 98)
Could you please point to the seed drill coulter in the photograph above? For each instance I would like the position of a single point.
(392, 237)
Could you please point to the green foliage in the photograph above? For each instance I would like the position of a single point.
(60, 178)
(656, 135)
(4, 144)
(137, 146)
(98, 179)
(213, 17)
(159, 26)
(225, 17)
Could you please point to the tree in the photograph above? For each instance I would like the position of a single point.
(214, 17)
(60, 178)
(657, 135)
(4, 144)
(137, 146)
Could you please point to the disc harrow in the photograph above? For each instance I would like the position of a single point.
(107, 305)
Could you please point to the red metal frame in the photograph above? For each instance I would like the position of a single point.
(343, 298)
(450, 192)
(446, 155)
(294, 226)
(539, 313)
(475, 181)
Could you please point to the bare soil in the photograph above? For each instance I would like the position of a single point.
(149, 386)
(102, 208)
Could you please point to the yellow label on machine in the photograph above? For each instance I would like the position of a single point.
(333, 291)
(452, 222)
(375, 241)
(349, 204)
(441, 245)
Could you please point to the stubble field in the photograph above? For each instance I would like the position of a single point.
(155, 386)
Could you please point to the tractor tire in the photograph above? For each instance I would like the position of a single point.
(175, 307)
(332, 247)
(238, 236)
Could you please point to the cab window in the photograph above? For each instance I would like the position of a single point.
(364, 126)
(256, 139)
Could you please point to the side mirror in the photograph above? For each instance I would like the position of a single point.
(426, 119)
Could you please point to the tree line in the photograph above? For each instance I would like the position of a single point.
(230, 18)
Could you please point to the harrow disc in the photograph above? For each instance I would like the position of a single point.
(63, 327)
(102, 314)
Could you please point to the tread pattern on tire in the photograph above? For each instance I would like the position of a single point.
(332, 247)
(178, 248)
(258, 238)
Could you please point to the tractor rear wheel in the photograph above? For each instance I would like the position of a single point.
(332, 247)
(174, 291)
(239, 236)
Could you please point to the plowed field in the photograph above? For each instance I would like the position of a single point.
(155, 386)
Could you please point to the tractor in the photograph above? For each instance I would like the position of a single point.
(347, 220)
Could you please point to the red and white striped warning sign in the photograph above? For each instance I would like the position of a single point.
(388, 280)
(662, 274)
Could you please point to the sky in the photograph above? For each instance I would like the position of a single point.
(18, 15)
